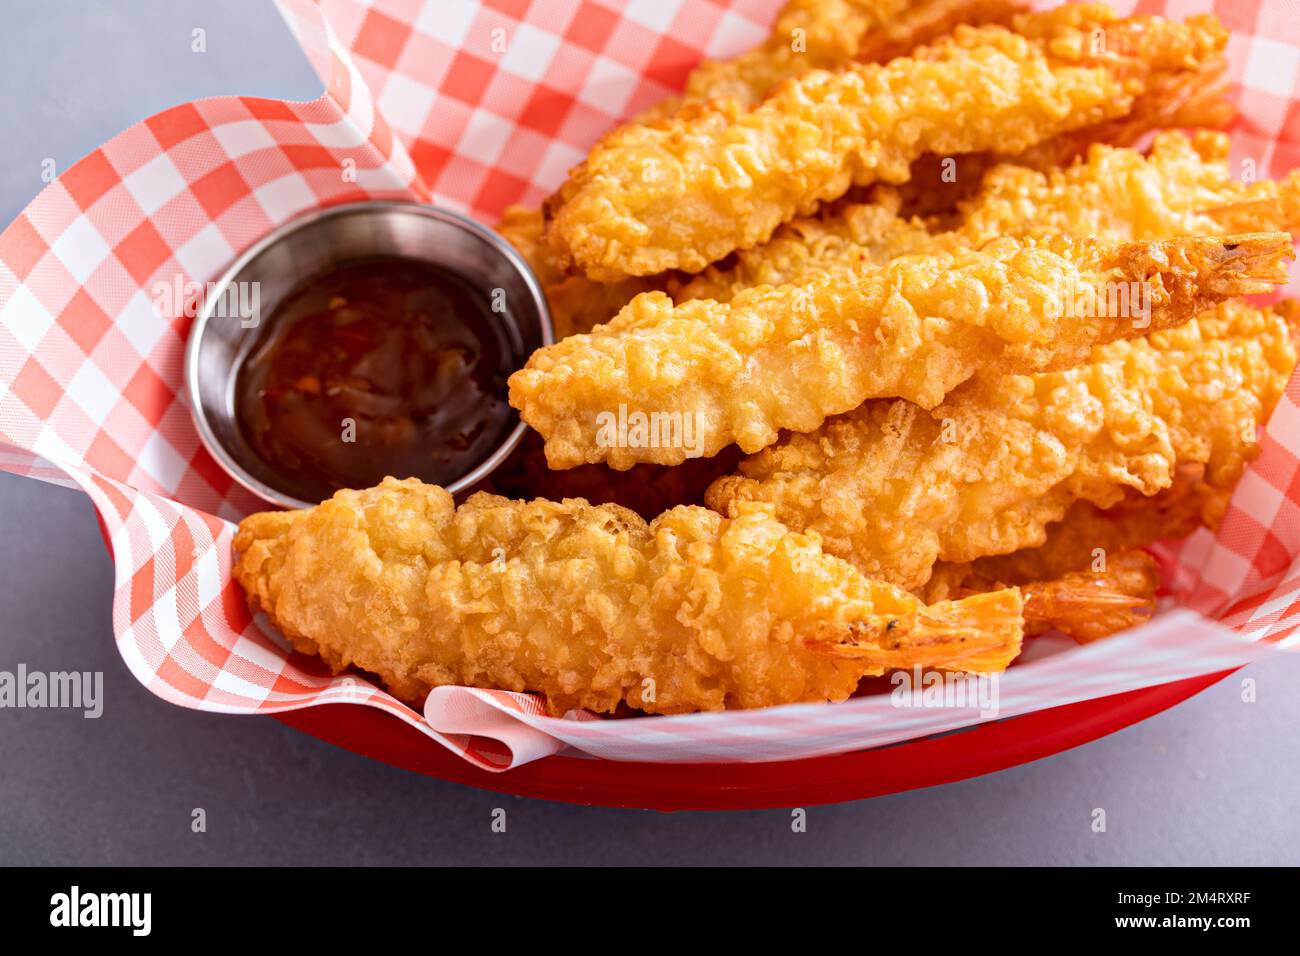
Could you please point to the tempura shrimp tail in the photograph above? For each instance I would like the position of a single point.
(1089, 605)
(1210, 269)
(979, 634)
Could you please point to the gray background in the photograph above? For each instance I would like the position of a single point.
(1213, 781)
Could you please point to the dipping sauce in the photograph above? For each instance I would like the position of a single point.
(378, 366)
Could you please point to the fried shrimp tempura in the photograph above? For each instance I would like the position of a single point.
(823, 34)
(791, 356)
(894, 489)
(590, 606)
(807, 35)
(1187, 99)
(685, 192)
(1182, 187)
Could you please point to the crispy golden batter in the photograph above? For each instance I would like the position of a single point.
(894, 489)
(1183, 187)
(925, 21)
(1088, 579)
(807, 35)
(577, 304)
(1185, 99)
(1088, 534)
(790, 356)
(1097, 549)
(591, 606)
(823, 34)
(838, 238)
(685, 192)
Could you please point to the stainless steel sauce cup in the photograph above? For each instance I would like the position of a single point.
(222, 337)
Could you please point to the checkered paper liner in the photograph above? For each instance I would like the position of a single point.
(473, 106)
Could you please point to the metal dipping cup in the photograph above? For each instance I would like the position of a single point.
(219, 342)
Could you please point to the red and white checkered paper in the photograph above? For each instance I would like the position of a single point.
(475, 105)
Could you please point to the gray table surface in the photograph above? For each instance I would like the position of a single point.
(1213, 781)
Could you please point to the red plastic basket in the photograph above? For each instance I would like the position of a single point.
(750, 786)
(925, 762)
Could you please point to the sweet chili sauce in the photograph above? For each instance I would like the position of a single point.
(375, 367)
